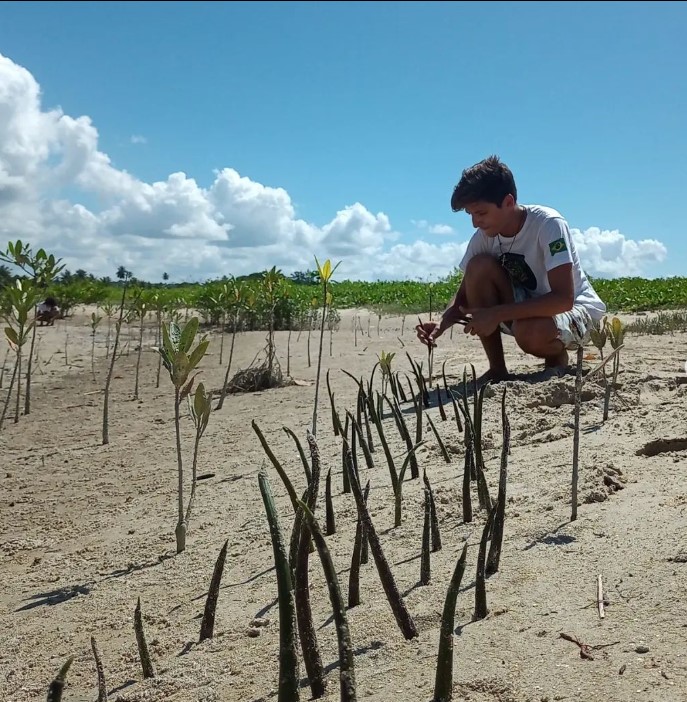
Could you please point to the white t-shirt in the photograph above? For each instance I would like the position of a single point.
(543, 243)
(44, 307)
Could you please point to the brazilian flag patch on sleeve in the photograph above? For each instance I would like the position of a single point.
(557, 246)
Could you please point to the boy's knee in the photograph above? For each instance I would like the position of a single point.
(534, 336)
(482, 264)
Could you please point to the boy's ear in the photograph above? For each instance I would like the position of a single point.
(508, 201)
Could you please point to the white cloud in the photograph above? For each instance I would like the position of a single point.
(442, 229)
(609, 254)
(59, 191)
(138, 139)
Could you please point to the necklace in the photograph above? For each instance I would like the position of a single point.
(502, 256)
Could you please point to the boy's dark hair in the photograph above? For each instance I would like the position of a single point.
(487, 181)
(51, 302)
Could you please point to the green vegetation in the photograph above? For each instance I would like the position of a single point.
(298, 297)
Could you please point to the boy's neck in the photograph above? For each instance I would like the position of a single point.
(517, 222)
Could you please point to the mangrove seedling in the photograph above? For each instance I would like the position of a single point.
(325, 272)
(200, 408)
(41, 269)
(180, 357)
(95, 321)
(108, 380)
(21, 298)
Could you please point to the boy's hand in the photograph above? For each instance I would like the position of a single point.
(428, 332)
(483, 322)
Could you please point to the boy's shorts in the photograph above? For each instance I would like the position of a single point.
(574, 326)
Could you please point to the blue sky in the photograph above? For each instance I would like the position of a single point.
(338, 129)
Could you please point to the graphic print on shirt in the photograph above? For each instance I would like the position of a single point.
(519, 271)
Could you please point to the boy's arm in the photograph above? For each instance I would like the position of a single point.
(453, 313)
(560, 299)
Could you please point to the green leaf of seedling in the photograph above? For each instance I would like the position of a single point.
(174, 335)
(199, 401)
(198, 353)
(167, 344)
(11, 335)
(188, 335)
(180, 369)
(166, 361)
(187, 388)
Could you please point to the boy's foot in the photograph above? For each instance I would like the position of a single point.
(493, 376)
(559, 361)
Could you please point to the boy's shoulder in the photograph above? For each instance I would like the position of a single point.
(543, 213)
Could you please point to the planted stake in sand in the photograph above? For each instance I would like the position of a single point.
(343, 635)
(344, 450)
(207, 627)
(436, 536)
(426, 529)
(100, 670)
(57, 685)
(403, 618)
(420, 380)
(449, 393)
(482, 488)
(576, 434)
(359, 433)
(440, 404)
(328, 505)
(288, 656)
(405, 435)
(306, 628)
(273, 459)
(398, 488)
(399, 387)
(442, 447)
(296, 535)
(335, 418)
(356, 558)
(301, 453)
(481, 609)
(143, 652)
(385, 446)
(443, 685)
(497, 536)
(467, 472)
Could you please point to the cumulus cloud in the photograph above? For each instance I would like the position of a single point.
(441, 229)
(58, 190)
(609, 254)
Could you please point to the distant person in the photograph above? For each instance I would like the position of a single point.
(522, 276)
(47, 312)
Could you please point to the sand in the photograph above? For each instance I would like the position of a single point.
(88, 529)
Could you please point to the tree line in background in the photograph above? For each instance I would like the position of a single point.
(299, 291)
